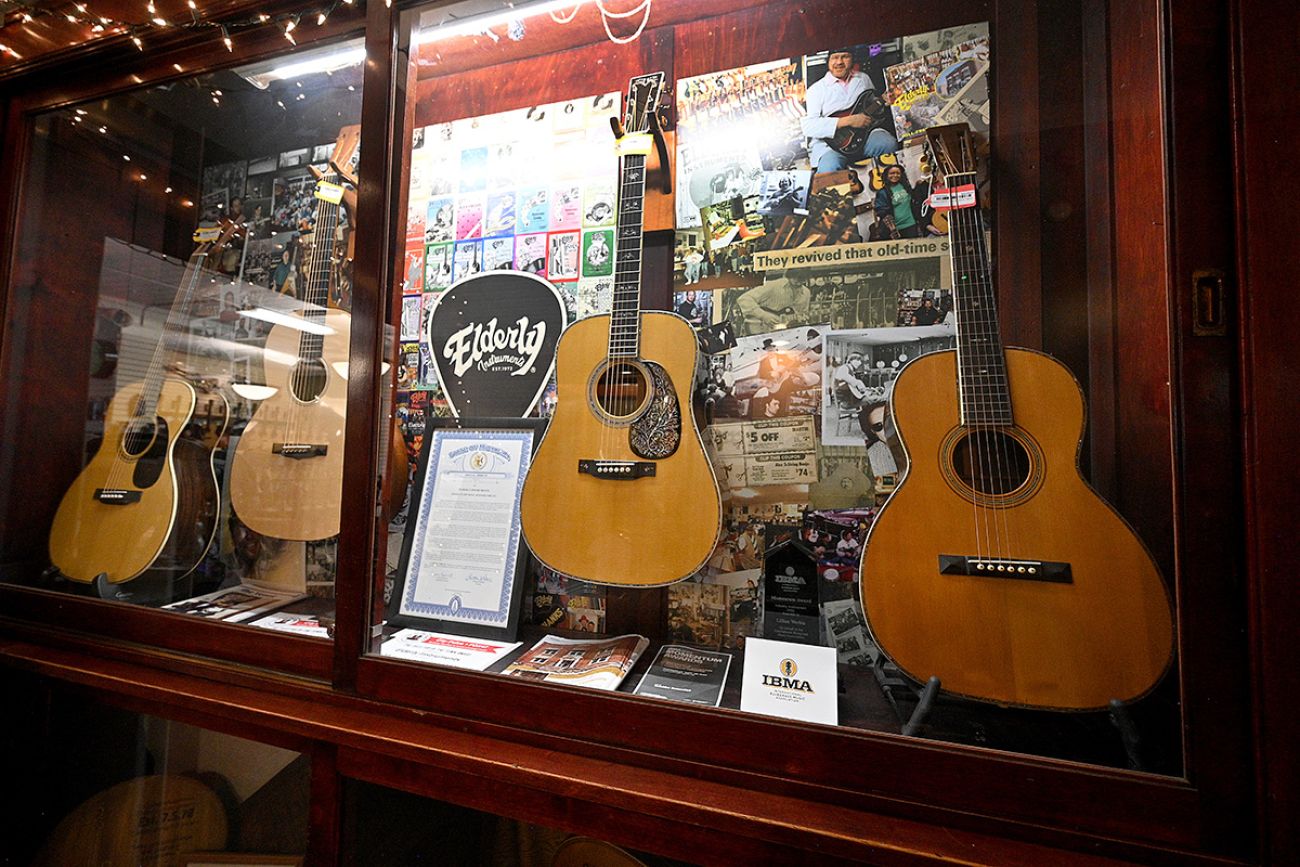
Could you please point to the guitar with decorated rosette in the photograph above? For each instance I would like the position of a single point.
(994, 566)
(620, 490)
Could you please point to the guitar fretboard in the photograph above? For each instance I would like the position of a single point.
(981, 363)
(316, 280)
(625, 314)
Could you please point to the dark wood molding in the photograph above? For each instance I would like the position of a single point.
(442, 758)
(1268, 317)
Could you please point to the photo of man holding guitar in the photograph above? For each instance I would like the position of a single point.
(847, 121)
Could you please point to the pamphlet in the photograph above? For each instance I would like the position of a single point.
(599, 664)
(795, 681)
(438, 648)
(298, 624)
(686, 674)
(235, 604)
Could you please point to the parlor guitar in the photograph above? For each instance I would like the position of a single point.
(620, 490)
(994, 566)
(145, 506)
(286, 478)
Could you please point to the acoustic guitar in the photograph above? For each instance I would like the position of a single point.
(146, 504)
(620, 490)
(993, 565)
(286, 477)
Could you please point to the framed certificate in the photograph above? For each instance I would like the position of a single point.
(463, 558)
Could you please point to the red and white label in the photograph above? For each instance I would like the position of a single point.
(944, 199)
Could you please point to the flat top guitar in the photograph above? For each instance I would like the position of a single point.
(286, 478)
(620, 490)
(993, 565)
(146, 503)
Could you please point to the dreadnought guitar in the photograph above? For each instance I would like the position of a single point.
(620, 490)
(286, 479)
(994, 566)
(146, 504)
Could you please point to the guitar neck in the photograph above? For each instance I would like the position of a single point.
(317, 278)
(625, 314)
(151, 391)
(981, 362)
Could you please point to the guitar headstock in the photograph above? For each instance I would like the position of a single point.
(950, 150)
(643, 93)
(347, 152)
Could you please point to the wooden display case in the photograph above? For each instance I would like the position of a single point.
(1124, 134)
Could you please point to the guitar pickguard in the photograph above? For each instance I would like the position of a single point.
(657, 432)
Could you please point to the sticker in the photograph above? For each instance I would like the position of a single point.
(635, 143)
(943, 199)
(327, 192)
(205, 234)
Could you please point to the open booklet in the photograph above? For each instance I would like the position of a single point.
(236, 604)
(597, 663)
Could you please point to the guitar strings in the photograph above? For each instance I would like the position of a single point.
(1002, 449)
(966, 305)
(315, 294)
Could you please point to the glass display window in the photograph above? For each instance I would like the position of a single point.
(789, 462)
(179, 334)
(144, 789)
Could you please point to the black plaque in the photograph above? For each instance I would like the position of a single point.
(791, 598)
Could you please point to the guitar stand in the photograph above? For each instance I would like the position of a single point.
(925, 696)
(1128, 733)
(1120, 717)
(153, 592)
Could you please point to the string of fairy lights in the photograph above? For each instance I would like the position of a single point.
(21, 12)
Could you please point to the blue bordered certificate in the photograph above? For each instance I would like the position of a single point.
(463, 555)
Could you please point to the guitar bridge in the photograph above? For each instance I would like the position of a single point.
(619, 471)
(298, 451)
(116, 496)
(1004, 567)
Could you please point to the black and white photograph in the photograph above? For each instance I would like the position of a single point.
(776, 375)
(226, 179)
(263, 165)
(292, 159)
(857, 377)
(784, 192)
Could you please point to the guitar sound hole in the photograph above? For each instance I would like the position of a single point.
(308, 379)
(621, 389)
(138, 436)
(992, 462)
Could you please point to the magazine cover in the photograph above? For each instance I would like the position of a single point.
(686, 674)
(597, 664)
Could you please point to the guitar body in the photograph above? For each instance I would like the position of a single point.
(295, 493)
(848, 140)
(642, 532)
(164, 516)
(1105, 634)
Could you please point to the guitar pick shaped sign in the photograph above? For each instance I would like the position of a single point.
(493, 338)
